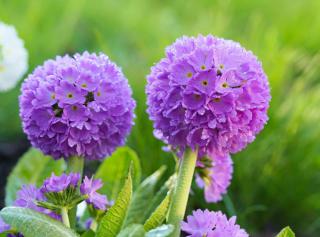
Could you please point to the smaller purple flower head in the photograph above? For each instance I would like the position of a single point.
(89, 187)
(77, 106)
(211, 224)
(4, 226)
(208, 93)
(27, 197)
(60, 183)
(215, 179)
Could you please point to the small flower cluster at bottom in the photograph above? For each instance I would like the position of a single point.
(211, 224)
(57, 192)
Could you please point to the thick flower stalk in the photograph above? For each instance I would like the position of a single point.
(211, 224)
(214, 176)
(208, 93)
(77, 106)
(210, 96)
(13, 57)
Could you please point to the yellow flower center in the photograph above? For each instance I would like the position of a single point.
(216, 100)
(70, 95)
(203, 67)
(197, 97)
(204, 82)
(225, 85)
(189, 74)
(74, 108)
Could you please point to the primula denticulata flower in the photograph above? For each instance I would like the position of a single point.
(211, 224)
(13, 57)
(208, 93)
(77, 106)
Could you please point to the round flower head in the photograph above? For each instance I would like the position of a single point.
(208, 93)
(216, 178)
(77, 106)
(13, 57)
(211, 224)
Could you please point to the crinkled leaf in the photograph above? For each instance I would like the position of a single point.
(113, 220)
(161, 231)
(135, 230)
(159, 215)
(142, 197)
(34, 224)
(160, 195)
(32, 168)
(113, 171)
(286, 232)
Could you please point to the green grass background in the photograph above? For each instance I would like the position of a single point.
(277, 178)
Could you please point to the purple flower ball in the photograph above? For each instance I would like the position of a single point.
(27, 197)
(89, 187)
(60, 183)
(208, 93)
(218, 178)
(77, 106)
(211, 224)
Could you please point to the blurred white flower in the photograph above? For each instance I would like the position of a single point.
(13, 57)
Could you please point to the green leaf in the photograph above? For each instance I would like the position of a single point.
(160, 195)
(88, 233)
(113, 171)
(162, 231)
(159, 215)
(135, 230)
(141, 197)
(286, 232)
(112, 221)
(34, 224)
(32, 168)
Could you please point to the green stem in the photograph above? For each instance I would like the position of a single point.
(181, 191)
(75, 165)
(65, 217)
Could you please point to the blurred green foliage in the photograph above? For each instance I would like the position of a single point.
(277, 178)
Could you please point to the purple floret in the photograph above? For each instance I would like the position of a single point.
(4, 226)
(60, 183)
(211, 224)
(89, 187)
(27, 197)
(209, 93)
(77, 106)
(219, 177)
